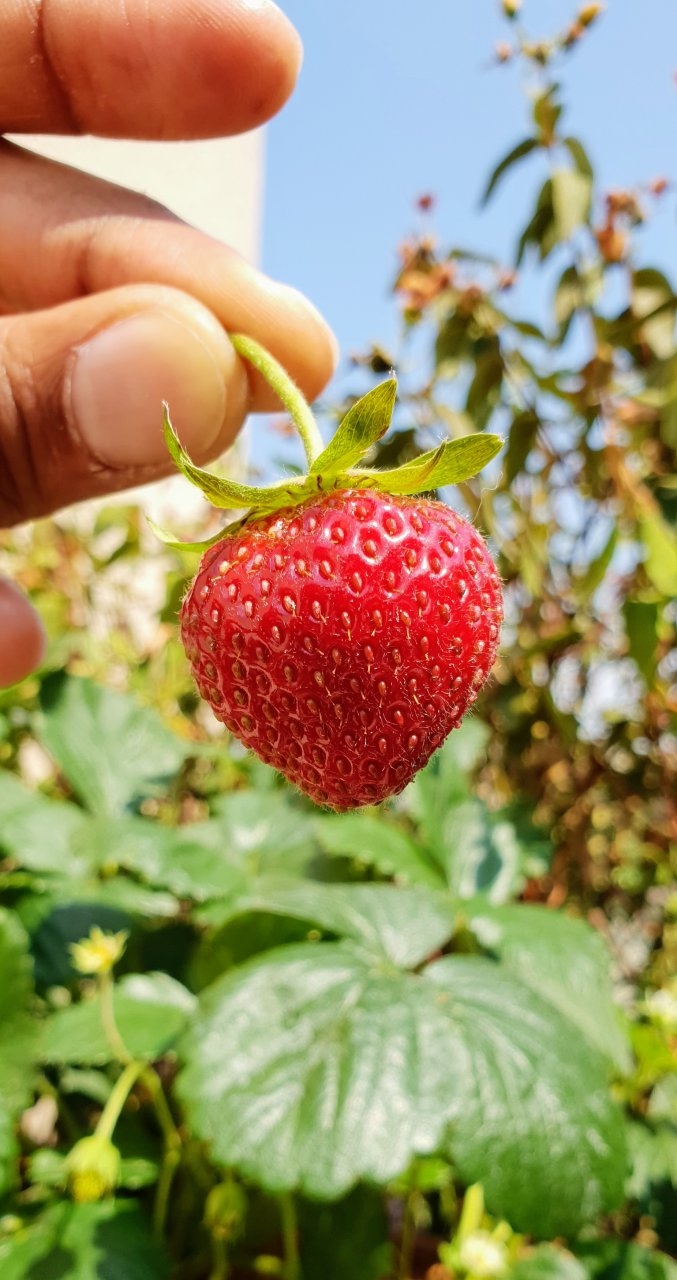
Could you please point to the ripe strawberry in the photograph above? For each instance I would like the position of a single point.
(344, 627)
(344, 638)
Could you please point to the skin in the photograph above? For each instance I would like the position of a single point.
(79, 256)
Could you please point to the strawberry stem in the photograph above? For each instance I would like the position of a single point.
(286, 390)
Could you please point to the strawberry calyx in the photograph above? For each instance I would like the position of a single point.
(332, 466)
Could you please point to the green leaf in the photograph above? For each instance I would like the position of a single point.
(571, 200)
(523, 148)
(546, 1262)
(595, 572)
(151, 1011)
(565, 962)
(485, 389)
(523, 432)
(362, 426)
(541, 230)
(403, 926)
(641, 623)
(177, 859)
(380, 844)
(298, 1063)
(652, 293)
(660, 552)
(568, 300)
(546, 111)
(621, 1260)
(450, 463)
(579, 156)
(444, 781)
(38, 833)
(113, 751)
(18, 1039)
(106, 1241)
(479, 852)
(653, 1157)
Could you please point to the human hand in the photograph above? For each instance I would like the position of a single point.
(108, 303)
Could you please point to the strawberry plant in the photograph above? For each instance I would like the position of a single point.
(242, 1034)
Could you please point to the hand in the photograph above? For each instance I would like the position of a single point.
(108, 303)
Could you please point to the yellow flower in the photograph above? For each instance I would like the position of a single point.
(92, 1169)
(99, 952)
(482, 1255)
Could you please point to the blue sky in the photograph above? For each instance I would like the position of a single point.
(398, 97)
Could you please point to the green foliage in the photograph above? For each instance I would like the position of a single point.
(326, 1030)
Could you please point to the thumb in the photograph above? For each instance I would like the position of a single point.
(81, 391)
(23, 640)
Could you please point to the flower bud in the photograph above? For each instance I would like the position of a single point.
(92, 1169)
(589, 13)
(98, 953)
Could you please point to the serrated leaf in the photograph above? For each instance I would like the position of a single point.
(36, 832)
(444, 781)
(297, 1064)
(113, 751)
(110, 1240)
(403, 926)
(151, 1011)
(480, 852)
(653, 1157)
(622, 1260)
(18, 1039)
(364, 424)
(571, 199)
(546, 1262)
(523, 148)
(451, 463)
(378, 844)
(565, 962)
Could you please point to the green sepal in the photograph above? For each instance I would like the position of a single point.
(229, 494)
(365, 422)
(451, 463)
(176, 545)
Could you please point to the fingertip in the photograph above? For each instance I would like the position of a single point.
(24, 641)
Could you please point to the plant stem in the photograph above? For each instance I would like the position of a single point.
(407, 1239)
(287, 391)
(221, 1268)
(119, 1094)
(172, 1152)
(110, 1025)
(290, 1237)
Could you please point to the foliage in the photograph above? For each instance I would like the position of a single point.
(434, 1039)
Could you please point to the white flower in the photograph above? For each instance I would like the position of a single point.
(481, 1255)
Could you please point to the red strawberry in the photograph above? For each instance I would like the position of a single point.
(343, 638)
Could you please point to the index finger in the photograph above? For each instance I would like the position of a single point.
(144, 68)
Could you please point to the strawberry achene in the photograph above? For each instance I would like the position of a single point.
(344, 638)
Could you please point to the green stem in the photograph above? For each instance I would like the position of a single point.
(290, 1237)
(118, 1096)
(407, 1239)
(221, 1267)
(172, 1153)
(110, 1026)
(286, 390)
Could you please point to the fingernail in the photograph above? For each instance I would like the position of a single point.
(120, 378)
